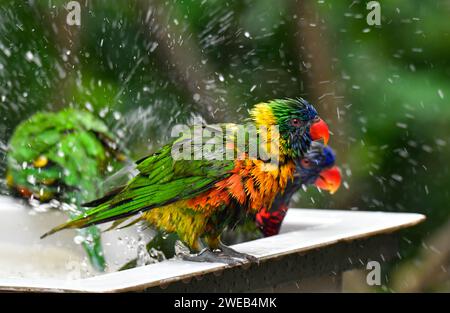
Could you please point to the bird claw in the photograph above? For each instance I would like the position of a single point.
(209, 256)
(236, 254)
(223, 254)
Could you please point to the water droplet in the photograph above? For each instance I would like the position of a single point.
(78, 240)
(397, 177)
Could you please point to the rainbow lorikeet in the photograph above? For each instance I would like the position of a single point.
(63, 156)
(197, 199)
(316, 167)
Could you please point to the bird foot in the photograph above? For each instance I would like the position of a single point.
(236, 254)
(207, 255)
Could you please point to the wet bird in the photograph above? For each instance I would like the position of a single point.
(63, 157)
(316, 167)
(198, 198)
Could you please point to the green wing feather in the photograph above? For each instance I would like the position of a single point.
(161, 180)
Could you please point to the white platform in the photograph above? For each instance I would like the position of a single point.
(28, 263)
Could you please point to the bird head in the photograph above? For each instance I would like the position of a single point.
(317, 167)
(297, 121)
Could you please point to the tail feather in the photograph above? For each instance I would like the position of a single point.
(117, 223)
(108, 196)
(70, 224)
(88, 221)
(136, 197)
(132, 222)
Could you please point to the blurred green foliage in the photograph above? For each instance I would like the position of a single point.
(145, 66)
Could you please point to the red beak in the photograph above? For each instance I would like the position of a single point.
(319, 130)
(329, 179)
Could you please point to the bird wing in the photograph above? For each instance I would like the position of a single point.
(161, 180)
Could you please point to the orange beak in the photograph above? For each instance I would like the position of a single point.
(329, 179)
(319, 130)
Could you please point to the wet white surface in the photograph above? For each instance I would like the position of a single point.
(24, 255)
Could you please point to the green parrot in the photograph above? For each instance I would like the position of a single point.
(64, 156)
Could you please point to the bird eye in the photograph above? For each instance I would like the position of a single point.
(306, 163)
(296, 122)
